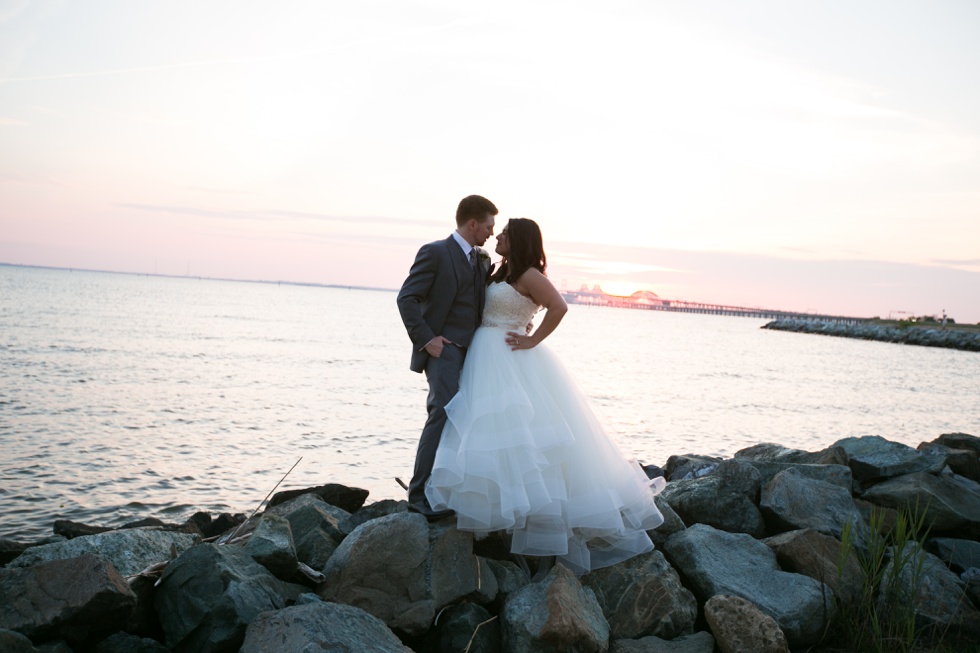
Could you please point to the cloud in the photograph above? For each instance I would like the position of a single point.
(279, 215)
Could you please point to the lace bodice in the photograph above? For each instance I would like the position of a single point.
(505, 307)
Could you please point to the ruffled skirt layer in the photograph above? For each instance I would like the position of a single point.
(523, 452)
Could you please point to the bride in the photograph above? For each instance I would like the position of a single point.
(521, 450)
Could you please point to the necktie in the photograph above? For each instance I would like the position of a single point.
(477, 285)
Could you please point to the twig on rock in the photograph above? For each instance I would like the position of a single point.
(232, 537)
(475, 631)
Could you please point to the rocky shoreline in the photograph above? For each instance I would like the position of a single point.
(950, 338)
(747, 560)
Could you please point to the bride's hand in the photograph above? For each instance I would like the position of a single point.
(519, 341)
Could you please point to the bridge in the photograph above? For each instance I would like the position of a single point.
(646, 300)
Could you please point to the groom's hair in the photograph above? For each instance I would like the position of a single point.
(474, 207)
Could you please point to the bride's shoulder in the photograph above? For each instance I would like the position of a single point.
(532, 282)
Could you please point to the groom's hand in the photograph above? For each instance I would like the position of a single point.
(434, 346)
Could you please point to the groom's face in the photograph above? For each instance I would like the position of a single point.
(483, 230)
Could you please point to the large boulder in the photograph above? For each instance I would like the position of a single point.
(371, 511)
(739, 626)
(468, 627)
(348, 499)
(509, 577)
(792, 501)
(643, 596)
(77, 600)
(315, 525)
(320, 626)
(699, 642)
(688, 466)
(715, 562)
(873, 458)
(937, 595)
(271, 545)
(834, 474)
(672, 522)
(405, 585)
(777, 453)
(819, 556)
(129, 551)
(960, 441)
(959, 555)
(961, 461)
(555, 615)
(127, 643)
(727, 498)
(209, 595)
(949, 508)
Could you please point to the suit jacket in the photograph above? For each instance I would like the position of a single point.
(439, 297)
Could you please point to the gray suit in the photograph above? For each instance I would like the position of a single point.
(442, 296)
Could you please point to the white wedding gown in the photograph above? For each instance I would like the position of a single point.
(523, 452)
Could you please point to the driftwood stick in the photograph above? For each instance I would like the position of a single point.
(232, 537)
(475, 631)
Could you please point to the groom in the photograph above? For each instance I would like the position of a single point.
(441, 303)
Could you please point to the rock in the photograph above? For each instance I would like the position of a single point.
(726, 498)
(817, 555)
(468, 627)
(129, 551)
(643, 596)
(960, 441)
(10, 549)
(405, 585)
(372, 511)
(126, 643)
(688, 466)
(348, 499)
(315, 525)
(222, 524)
(960, 555)
(271, 545)
(872, 458)
(715, 562)
(13, 642)
(556, 615)
(834, 474)
(949, 508)
(320, 626)
(790, 501)
(937, 595)
(209, 595)
(672, 522)
(78, 599)
(777, 453)
(962, 461)
(509, 578)
(70, 529)
(738, 625)
(700, 642)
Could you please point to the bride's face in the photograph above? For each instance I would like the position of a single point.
(503, 244)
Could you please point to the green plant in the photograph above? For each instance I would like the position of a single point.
(891, 563)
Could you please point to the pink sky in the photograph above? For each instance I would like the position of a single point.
(816, 157)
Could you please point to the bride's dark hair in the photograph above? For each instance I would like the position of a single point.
(526, 251)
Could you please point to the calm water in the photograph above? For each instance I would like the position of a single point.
(128, 396)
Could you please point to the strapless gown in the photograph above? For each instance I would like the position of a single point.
(522, 451)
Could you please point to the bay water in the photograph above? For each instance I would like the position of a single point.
(127, 396)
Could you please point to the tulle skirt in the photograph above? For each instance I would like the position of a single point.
(523, 452)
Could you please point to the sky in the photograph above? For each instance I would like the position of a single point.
(807, 156)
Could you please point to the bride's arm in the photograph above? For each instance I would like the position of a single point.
(535, 285)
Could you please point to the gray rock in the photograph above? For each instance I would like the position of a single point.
(960, 441)
(348, 499)
(726, 498)
(949, 508)
(834, 474)
(468, 627)
(78, 600)
(372, 511)
(715, 562)
(958, 554)
(777, 453)
(643, 596)
(272, 546)
(405, 585)
(700, 642)
(962, 461)
(555, 615)
(320, 626)
(209, 595)
(13, 642)
(936, 594)
(872, 457)
(688, 466)
(510, 578)
(738, 625)
(672, 522)
(126, 643)
(818, 556)
(129, 551)
(790, 501)
(315, 525)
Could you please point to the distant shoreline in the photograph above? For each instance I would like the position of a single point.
(953, 336)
